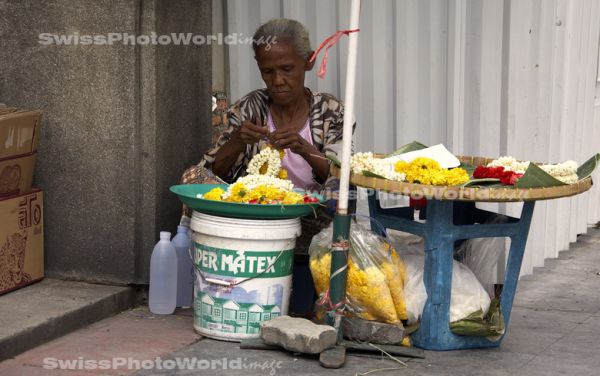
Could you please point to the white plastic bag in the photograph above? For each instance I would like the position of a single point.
(414, 288)
(481, 256)
(468, 295)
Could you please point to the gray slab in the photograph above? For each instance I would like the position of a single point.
(51, 308)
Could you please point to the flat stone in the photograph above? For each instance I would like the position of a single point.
(298, 335)
(334, 357)
(357, 329)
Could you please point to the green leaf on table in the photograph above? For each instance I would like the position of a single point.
(406, 148)
(334, 160)
(484, 181)
(588, 167)
(468, 167)
(535, 177)
(372, 174)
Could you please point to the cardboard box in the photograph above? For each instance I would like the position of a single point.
(19, 132)
(21, 240)
(16, 175)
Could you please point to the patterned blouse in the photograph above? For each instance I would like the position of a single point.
(326, 123)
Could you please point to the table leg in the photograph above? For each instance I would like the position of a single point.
(437, 276)
(515, 258)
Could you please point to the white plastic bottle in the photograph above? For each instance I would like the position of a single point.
(163, 276)
(185, 267)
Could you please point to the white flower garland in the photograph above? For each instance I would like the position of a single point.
(253, 181)
(565, 172)
(270, 157)
(509, 164)
(367, 162)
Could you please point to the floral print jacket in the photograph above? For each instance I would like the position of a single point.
(326, 123)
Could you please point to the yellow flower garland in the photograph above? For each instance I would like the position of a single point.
(427, 171)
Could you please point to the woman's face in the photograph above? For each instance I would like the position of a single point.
(282, 70)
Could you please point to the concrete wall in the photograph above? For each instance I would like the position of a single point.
(219, 52)
(121, 123)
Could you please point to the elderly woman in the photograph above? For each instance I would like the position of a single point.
(286, 114)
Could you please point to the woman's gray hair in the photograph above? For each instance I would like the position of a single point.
(283, 28)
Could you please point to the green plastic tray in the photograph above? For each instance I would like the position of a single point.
(187, 194)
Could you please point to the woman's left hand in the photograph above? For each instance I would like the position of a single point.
(293, 141)
(286, 139)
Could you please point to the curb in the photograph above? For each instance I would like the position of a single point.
(89, 303)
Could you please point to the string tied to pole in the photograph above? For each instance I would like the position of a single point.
(327, 44)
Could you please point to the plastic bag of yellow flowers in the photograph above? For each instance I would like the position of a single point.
(376, 274)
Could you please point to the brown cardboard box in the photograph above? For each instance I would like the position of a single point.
(16, 175)
(19, 132)
(19, 139)
(21, 240)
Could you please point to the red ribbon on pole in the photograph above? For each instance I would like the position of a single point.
(327, 44)
(325, 301)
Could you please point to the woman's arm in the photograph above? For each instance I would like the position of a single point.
(248, 134)
(228, 154)
(317, 161)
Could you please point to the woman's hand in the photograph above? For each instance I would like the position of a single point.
(251, 133)
(287, 139)
(247, 134)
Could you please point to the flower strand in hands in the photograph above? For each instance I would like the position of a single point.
(253, 132)
(289, 139)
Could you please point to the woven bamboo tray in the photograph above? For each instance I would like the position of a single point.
(479, 194)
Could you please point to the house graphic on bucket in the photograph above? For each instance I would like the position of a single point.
(227, 315)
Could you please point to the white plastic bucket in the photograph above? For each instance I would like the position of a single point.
(243, 273)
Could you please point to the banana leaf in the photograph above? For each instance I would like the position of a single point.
(334, 160)
(588, 167)
(468, 167)
(487, 182)
(372, 174)
(535, 177)
(406, 148)
(476, 324)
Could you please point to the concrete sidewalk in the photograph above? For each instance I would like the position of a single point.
(554, 330)
(52, 308)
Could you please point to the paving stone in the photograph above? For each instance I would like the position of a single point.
(298, 335)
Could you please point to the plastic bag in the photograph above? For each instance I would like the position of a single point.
(481, 255)
(468, 296)
(414, 288)
(375, 280)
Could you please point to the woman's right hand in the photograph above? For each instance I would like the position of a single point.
(251, 133)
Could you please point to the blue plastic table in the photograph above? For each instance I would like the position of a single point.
(448, 222)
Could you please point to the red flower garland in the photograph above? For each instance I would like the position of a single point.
(506, 177)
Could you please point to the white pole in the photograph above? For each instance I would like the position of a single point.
(349, 109)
